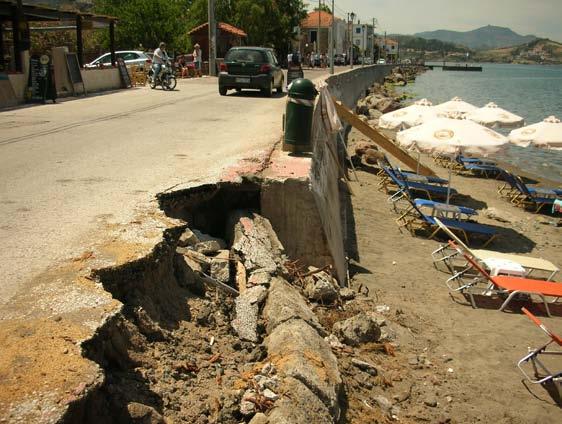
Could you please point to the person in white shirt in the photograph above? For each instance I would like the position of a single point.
(197, 58)
(160, 57)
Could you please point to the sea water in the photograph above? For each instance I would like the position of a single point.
(531, 91)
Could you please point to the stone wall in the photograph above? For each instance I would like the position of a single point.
(325, 175)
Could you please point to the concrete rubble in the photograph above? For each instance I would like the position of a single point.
(321, 287)
(359, 329)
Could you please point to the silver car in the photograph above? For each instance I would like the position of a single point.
(131, 57)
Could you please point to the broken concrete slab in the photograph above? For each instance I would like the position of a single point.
(196, 261)
(358, 329)
(241, 278)
(247, 308)
(220, 266)
(303, 406)
(188, 238)
(254, 239)
(285, 303)
(209, 247)
(259, 277)
(297, 350)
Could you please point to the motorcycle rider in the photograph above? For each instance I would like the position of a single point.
(160, 57)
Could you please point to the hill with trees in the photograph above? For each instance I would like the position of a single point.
(428, 45)
(542, 51)
(487, 37)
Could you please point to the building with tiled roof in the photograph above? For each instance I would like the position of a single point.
(227, 36)
(309, 41)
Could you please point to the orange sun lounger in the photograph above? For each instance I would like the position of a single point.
(542, 374)
(513, 285)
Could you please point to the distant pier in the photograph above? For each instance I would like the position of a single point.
(465, 68)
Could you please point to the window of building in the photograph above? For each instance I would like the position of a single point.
(358, 30)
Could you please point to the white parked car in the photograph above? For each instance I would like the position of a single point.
(131, 57)
(381, 62)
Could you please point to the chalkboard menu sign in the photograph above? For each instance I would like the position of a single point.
(125, 77)
(40, 83)
(74, 68)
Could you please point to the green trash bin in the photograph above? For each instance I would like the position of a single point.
(298, 116)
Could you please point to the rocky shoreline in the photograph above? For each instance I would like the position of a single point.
(383, 98)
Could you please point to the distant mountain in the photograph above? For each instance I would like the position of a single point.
(540, 50)
(487, 37)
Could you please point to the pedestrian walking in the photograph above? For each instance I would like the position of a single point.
(197, 59)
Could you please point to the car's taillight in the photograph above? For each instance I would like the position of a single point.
(148, 60)
(223, 67)
(265, 68)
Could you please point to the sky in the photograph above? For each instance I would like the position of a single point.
(542, 18)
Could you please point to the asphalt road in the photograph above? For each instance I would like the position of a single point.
(65, 168)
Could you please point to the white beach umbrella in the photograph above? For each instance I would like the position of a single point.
(546, 134)
(410, 116)
(454, 106)
(493, 116)
(451, 137)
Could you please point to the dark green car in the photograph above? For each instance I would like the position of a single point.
(251, 68)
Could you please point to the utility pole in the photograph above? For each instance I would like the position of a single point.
(385, 51)
(332, 40)
(352, 16)
(348, 44)
(318, 33)
(373, 42)
(212, 38)
(17, 20)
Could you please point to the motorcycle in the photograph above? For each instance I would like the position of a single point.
(166, 78)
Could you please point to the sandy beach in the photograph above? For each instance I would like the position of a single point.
(457, 363)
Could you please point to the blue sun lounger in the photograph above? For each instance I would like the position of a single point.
(521, 194)
(429, 190)
(417, 178)
(478, 166)
(414, 219)
(511, 188)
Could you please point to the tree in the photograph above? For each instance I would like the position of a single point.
(267, 22)
(146, 22)
(324, 8)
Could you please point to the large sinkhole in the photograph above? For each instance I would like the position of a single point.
(207, 207)
(171, 351)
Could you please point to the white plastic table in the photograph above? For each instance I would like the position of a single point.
(504, 267)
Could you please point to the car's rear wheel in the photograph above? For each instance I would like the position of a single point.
(223, 91)
(280, 88)
(267, 92)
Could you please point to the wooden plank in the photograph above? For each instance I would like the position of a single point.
(399, 153)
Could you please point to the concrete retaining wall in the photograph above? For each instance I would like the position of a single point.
(101, 79)
(325, 174)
